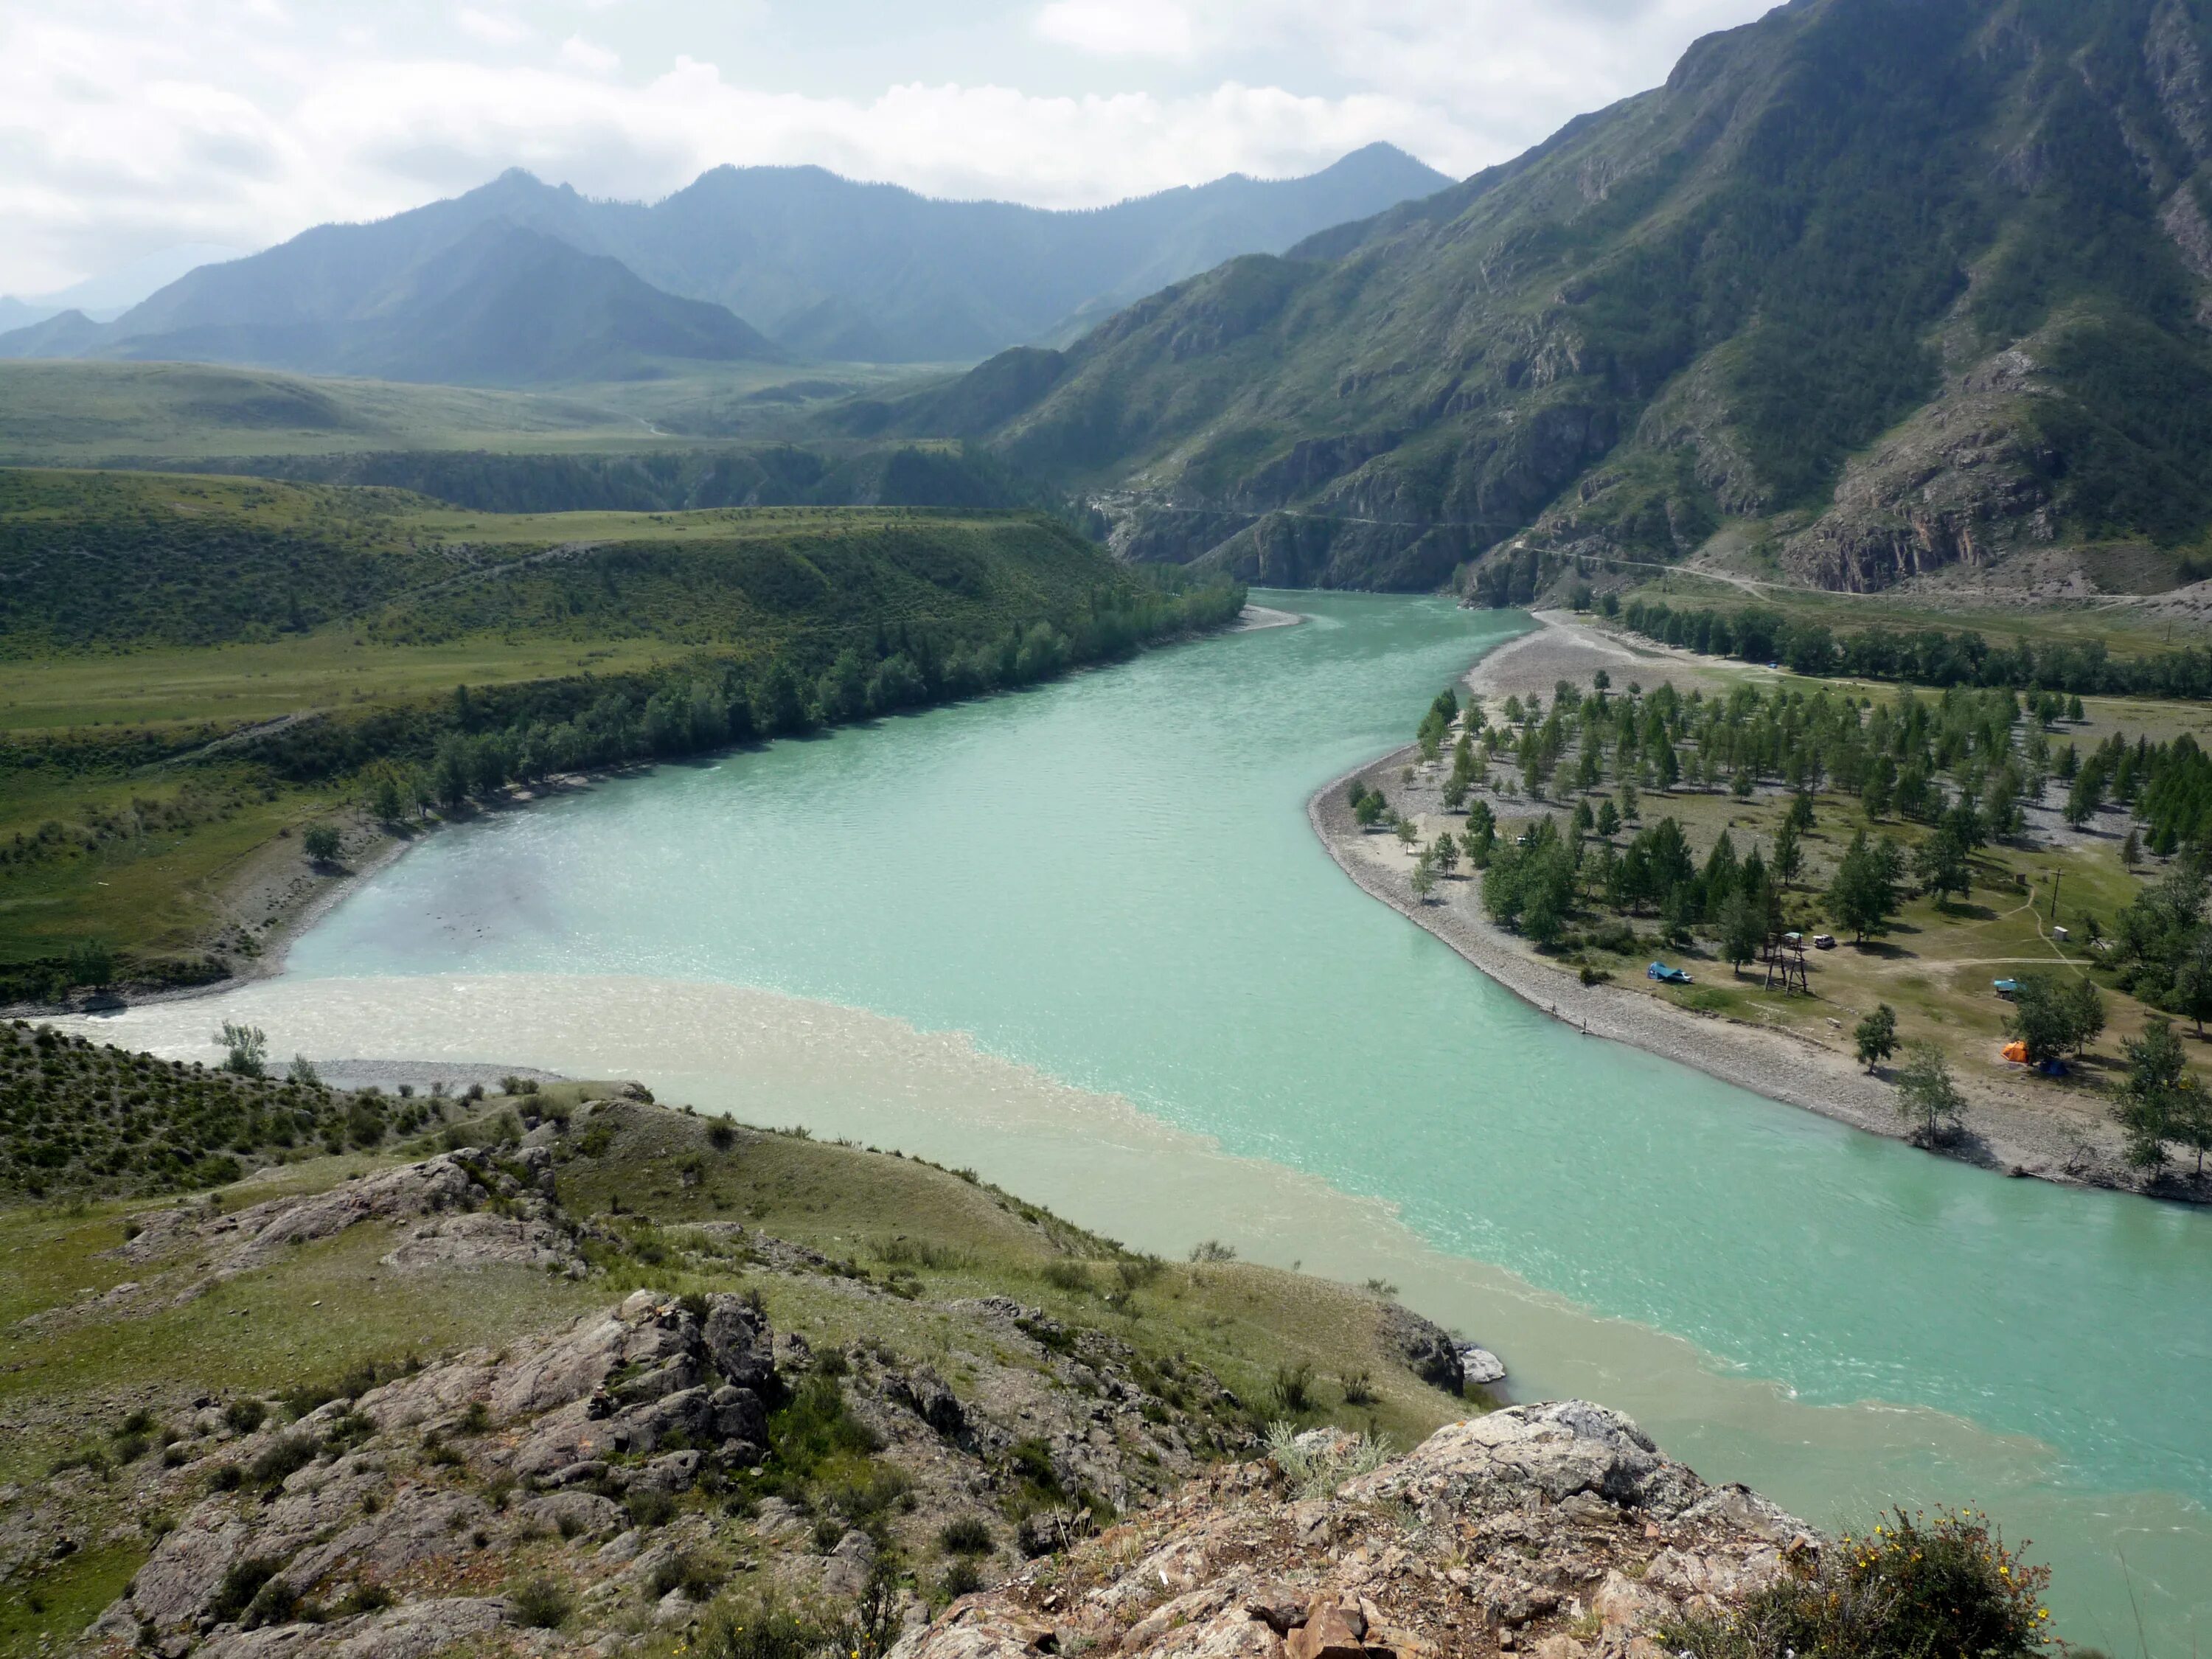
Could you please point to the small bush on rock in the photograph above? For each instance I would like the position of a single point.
(1910, 1587)
(541, 1604)
(967, 1536)
(239, 1587)
(281, 1458)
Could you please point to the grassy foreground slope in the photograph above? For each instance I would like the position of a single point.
(122, 1316)
(191, 668)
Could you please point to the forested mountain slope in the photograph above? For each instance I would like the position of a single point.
(1905, 281)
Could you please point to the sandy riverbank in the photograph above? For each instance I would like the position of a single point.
(2001, 1130)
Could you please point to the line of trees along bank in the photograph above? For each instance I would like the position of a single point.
(480, 739)
(1921, 656)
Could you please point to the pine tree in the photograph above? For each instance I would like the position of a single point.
(1789, 857)
(1875, 1036)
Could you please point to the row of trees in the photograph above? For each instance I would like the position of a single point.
(482, 738)
(1921, 656)
(1914, 757)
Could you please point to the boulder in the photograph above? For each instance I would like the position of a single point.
(1488, 1465)
(484, 1240)
(672, 1471)
(1331, 1632)
(739, 1343)
(422, 1525)
(739, 1418)
(1427, 1349)
(925, 1394)
(1479, 1367)
(188, 1565)
(642, 1428)
(573, 1514)
(850, 1562)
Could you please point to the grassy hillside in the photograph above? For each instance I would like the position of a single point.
(869, 1268)
(1899, 282)
(193, 670)
(97, 414)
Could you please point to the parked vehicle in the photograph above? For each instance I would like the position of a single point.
(2005, 987)
(1666, 975)
(1824, 941)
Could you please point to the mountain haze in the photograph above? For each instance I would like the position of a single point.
(497, 305)
(1900, 283)
(831, 268)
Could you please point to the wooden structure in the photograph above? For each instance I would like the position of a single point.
(1785, 962)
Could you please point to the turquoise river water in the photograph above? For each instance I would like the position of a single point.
(1110, 883)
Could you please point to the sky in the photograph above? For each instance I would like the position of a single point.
(129, 127)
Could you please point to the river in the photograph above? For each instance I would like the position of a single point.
(1081, 938)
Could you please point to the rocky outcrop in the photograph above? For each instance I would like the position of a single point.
(599, 1402)
(1427, 1349)
(1509, 1530)
(1959, 485)
(456, 1210)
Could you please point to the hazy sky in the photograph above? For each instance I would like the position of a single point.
(127, 126)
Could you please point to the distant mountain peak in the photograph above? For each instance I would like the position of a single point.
(840, 266)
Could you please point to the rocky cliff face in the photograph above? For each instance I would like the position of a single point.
(1558, 1530)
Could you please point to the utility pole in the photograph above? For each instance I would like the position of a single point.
(2057, 876)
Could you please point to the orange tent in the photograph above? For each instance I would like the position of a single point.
(2017, 1052)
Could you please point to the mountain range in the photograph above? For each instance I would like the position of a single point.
(523, 282)
(1883, 286)
(111, 293)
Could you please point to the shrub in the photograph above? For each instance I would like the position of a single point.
(827, 1531)
(1293, 1389)
(863, 1499)
(1212, 1249)
(1911, 1586)
(225, 1476)
(245, 1416)
(722, 1136)
(276, 1603)
(541, 1604)
(650, 1507)
(1358, 1388)
(1316, 1471)
(695, 1577)
(239, 1587)
(280, 1459)
(1070, 1276)
(1032, 1462)
(366, 1598)
(962, 1578)
(969, 1535)
(760, 1630)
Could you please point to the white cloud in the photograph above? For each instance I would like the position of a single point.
(493, 29)
(589, 56)
(1119, 28)
(130, 125)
